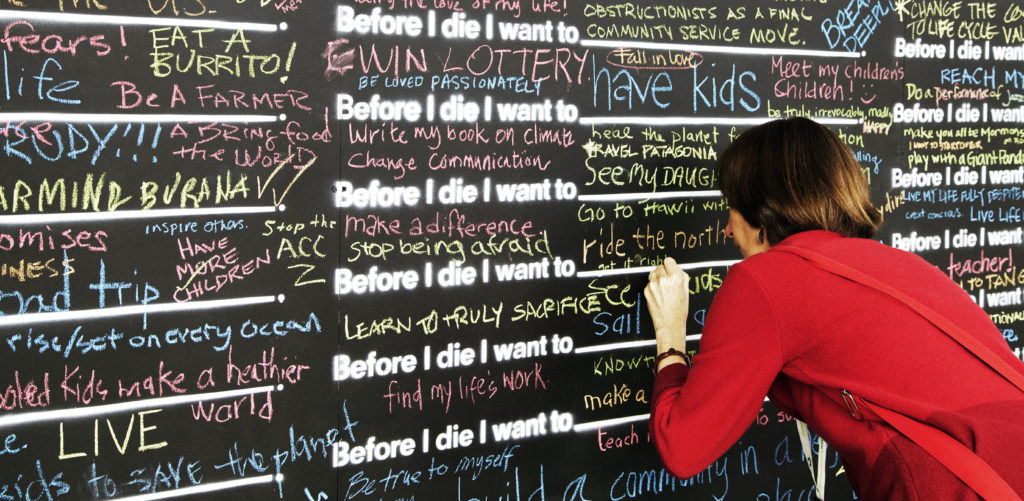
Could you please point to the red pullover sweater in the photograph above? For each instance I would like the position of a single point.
(782, 327)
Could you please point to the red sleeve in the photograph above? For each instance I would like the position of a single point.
(698, 413)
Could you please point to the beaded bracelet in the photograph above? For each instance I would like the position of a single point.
(668, 353)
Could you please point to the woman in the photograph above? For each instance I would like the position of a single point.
(818, 344)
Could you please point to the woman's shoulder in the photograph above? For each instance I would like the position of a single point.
(872, 257)
(859, 253)
(900, 269)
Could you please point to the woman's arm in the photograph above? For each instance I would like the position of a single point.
(740, 354)
(668, 301)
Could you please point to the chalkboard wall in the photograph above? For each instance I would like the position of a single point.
(395, 250)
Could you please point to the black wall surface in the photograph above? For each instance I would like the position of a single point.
(308, 250)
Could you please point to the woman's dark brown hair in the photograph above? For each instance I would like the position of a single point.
(792, 175)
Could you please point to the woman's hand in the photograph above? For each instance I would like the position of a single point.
(668, 301)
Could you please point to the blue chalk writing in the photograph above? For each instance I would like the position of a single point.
(52, 92)
(239, 464)
(713, 93)
(626, 88)
(10, 447)
(980, 76)
(854, 24)
(621, 324)
(51, 142)
(61, 300)
(639, 484)
(349, 423)
(169, 475)
(36, 487)
(483, 462)
(82, 341)
(149, 292)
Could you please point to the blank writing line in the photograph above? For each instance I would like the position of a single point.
(615, 346)
(593, 425)
(689, 120)
(722, 49)
(36, 116)
(615, 197)
(648, 269)
(200, 489)
(119, 311)
(626, 345)
(62, 17)
(69, 217)
(99, 410)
